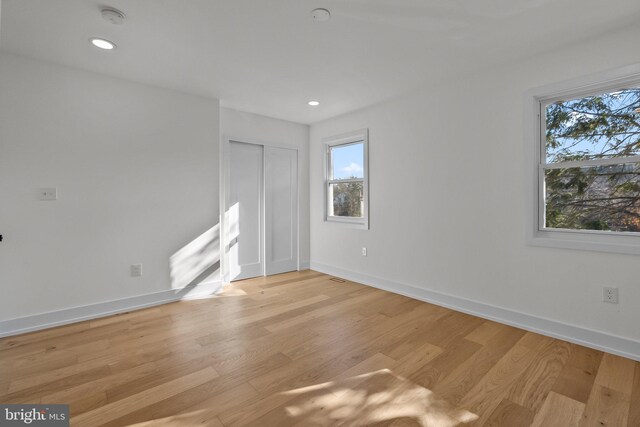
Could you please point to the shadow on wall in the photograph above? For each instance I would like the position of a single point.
(196, 266)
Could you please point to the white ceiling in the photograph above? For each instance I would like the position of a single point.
(270, 57)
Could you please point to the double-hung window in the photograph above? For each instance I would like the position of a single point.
(347, 179)
(588, 167)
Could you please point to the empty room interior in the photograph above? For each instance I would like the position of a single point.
(320, 213)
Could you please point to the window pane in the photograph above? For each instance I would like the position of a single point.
(347, 199)
(594, 127)
(347, 161)
(594, 198)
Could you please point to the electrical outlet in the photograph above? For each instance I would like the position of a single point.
(610, 295)
(364, 251)
(136, 270)
(47, 194)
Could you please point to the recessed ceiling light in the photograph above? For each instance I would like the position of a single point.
(320, 15)
(102, 43)
(314, 103)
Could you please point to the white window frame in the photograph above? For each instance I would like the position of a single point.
(355, 137)
(535, 156)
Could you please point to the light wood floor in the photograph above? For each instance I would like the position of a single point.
(303, 349)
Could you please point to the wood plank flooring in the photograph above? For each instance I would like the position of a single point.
(302, 349)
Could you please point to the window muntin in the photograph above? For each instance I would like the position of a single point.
(346, 181)
(590, 163)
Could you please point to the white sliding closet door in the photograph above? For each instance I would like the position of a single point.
(261, 210)
(281, 209)
(245, 210)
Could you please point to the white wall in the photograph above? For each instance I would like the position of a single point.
(254, 127)
(136, 169)
(448, 196)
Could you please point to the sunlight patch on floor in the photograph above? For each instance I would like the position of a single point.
(372, 398)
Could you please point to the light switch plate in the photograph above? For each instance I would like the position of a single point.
(136, 270)
(47, 194)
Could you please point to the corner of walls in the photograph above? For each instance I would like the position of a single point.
(256, 127)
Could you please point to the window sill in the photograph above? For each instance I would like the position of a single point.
(362, 224)
(620, 244)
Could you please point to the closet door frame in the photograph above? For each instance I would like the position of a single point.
(225, 162)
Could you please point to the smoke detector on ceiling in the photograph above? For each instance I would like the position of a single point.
(320, 15)
(113, 15)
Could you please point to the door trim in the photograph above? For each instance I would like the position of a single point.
(224, 190)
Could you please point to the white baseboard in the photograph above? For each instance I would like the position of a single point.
(37, 322)
(578, 335)
(305, 265)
